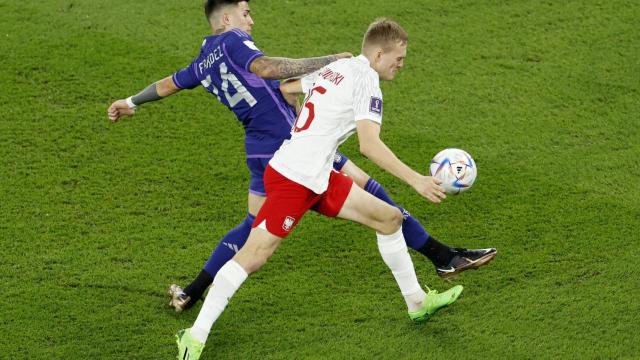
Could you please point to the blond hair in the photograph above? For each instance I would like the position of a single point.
(384, 33)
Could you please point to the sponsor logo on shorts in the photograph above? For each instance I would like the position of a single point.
(288, 223)
(376, 105)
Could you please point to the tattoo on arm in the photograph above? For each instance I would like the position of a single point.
(150, 93)
(283, 68)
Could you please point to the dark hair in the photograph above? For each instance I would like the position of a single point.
(212, 5)
(384, 32)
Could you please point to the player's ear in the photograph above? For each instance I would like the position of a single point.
(378, 54)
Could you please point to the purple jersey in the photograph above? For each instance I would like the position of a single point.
(223, 69)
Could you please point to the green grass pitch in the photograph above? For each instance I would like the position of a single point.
(97, 219)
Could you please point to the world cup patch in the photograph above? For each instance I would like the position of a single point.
(376, 105)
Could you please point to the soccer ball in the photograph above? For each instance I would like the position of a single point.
(455, 168)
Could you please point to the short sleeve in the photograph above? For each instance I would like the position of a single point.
(186, 78)
(241, 50)
(367, 97)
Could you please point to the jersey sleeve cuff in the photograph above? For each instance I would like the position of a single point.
(253, 57)
(375, 119)
(175, 81)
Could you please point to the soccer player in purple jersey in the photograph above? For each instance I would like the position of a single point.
(232, 68)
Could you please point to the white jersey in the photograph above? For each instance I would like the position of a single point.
(341, 93)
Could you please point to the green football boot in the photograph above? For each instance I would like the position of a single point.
(435, 301)
(189, 348)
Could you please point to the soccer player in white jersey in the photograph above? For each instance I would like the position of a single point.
(231, 67)
(343, 97)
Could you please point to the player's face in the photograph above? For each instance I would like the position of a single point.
(240, 17)
(389, 62)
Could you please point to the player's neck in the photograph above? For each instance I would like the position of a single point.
(370, 59)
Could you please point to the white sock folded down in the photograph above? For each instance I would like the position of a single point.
(393, 249)
(225, 284)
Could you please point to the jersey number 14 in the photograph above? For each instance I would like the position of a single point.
(241, 92)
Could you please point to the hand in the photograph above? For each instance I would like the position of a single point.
(118, 110)
(344, 55)
(430, 188)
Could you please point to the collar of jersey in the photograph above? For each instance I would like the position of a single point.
(363, 59)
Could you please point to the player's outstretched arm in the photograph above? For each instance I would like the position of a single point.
(278, 68)
(156, 91)
(377, 151)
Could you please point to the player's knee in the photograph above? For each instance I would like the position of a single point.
(393, 222)
(396, 219)
(256, 264)
(251, 259)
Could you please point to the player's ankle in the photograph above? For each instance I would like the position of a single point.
(198, 287)
(415, 300)
(440, 254)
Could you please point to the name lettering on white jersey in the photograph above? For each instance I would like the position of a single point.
(333, 77)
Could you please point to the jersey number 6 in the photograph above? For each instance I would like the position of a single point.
(311, 108)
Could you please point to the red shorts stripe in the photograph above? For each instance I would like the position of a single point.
(287, 201)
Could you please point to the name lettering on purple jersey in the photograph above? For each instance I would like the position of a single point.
(208, 61)
(222, 68)
(376, 105)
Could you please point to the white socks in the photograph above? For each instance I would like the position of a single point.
(395, 254)
(225, 284)
(392, 248)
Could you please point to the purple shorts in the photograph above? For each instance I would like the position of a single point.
(258, 163)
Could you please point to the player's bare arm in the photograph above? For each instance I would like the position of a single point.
(291, 90)
(283, 68)
(291, 87)
(377, 151)
(156, 91)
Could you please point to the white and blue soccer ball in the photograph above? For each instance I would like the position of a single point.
(455, 168)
